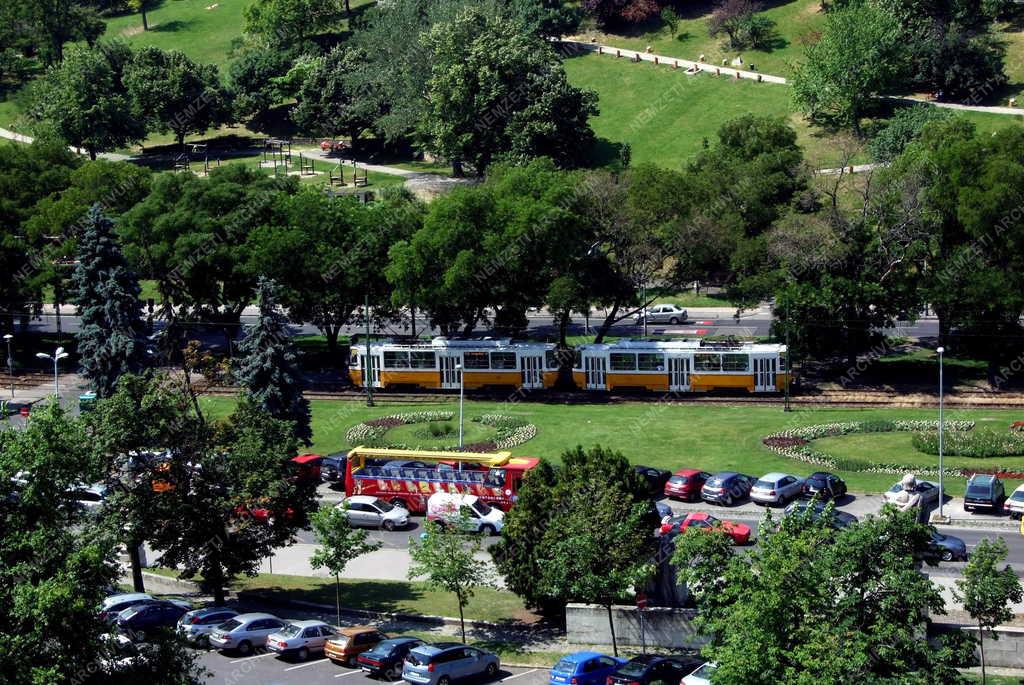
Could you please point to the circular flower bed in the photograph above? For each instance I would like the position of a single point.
(509, 431)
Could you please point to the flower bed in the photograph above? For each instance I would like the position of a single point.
(977, 444)
(509, 431)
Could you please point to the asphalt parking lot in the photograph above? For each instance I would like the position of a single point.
(270, 669)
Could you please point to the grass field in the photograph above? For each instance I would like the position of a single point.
(672, 435)
(418, 434)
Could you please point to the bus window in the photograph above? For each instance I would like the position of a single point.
(392, 472)
(496, 478)
(372, 471)
(476, 476)
(424, 474)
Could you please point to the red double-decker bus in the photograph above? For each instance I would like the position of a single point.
(408, 478)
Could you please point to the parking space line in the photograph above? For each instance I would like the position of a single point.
(311, 663)
(517, 675)
(250, 658)
(342, 675)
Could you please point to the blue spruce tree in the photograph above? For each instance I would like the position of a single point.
(107, 295)
(267, 368)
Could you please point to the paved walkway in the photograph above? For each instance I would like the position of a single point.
(21, 138)
(1014, 111)
(855, 169)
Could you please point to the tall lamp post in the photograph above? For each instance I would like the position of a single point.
(940, 350)
(57, 355)
(10, 361)
(462, 392)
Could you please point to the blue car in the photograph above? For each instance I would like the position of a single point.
(584, 668)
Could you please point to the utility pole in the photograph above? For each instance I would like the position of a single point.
(789, 359)
(368, 364)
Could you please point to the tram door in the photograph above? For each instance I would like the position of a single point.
(449, 372)
(532, 367)
(764, 374)
(596, 369)
(374, 375)
(679, 374)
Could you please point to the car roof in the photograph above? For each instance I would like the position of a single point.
(306, 623)
(646, 658)
(1019, 488)
(357, 630)
(245, 618)
(362, 499)
(453, 497)
(698, 516)
(820, 474)
(206, 611)
(687, 472)
(726, 474)
(126, 597)
(579, 657)
(774, 475)
(983, 477)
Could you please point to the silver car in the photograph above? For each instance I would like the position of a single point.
(196, 626)
(245, 632)
(299, 638)
(373, 512)
(776, 488)
(664, 313)
(928, 490)
(444, 662)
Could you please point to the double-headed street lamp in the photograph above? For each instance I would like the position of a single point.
(57, 355)
(10, 361)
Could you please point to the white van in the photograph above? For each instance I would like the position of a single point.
(446, 508)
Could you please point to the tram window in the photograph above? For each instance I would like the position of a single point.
(783, 360)
(622, 362)
(475, 360)
(577, 360)
(707, 362)
(354, 358)
(396, 360)
(503, 360)
(422, 360)
(550, 359)
(734, 362)
(651, 362)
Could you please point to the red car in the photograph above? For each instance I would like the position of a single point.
(739, 532)
(686, 484)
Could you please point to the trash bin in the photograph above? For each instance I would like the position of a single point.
(86, 402)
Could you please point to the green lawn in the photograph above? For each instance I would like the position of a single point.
(898, 447)
(663, 434)
(418, 434)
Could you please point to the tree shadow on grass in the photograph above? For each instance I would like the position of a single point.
(172, 26)
(367, 595)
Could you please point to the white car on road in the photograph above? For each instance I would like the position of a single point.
(663, 313)
(373, 512)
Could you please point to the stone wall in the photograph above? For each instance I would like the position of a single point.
(587, 624)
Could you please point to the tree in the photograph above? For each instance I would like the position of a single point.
(340, 543)
(446, 558)
(49, 24)
(141, 6)
(173, 93)
(890, 139)
(253, 79)
(857, 58)
(610, 12)
(84, 102)
(986, 591)
(670, 19)
(329, 103)
(494, 89)
(268, 368)
(857, 590)
(743, 23)
(285, 22)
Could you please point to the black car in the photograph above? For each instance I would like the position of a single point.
(985, 492)
(655, 479)
(650, 668)
(946, 548)
(144, 618)
(726, 487)
(385, 659)
(824, 486)
(332, 467)
(839, 520)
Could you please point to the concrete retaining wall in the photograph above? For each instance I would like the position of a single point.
(587, 624)
(1005, 652)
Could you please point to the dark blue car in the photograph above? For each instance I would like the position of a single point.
(142, 619)
(584, 668)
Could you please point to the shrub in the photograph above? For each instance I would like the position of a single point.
(877, 426)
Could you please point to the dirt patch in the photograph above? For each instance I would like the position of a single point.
(133, 31)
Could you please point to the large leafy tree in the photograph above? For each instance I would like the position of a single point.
(253, 79)
(330, 102)
(47, 25)
(171, 92)
(267, 367)
(83, 102)
(494, 89)
(107, 294)
(611, 12)
(285, 22)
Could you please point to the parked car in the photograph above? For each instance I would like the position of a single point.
(650, 668)
(373, 512)
(726, 487)
(947, 547)
(824, 486)
(839, 519)
(984, 492)
(142, 619)
(245, 632)
(448, 508)
(1014, 504)
(738, 532)
(113, 605)
(333, 467)
(686, 484)
(300, 638)
(445, 662)
(702, 676)
(776, 488)
(386, 657)
(196, 625)
(654, 478)
(349, 643)
(663, 313)
(584, 668)
(928, 491)
(89, 498)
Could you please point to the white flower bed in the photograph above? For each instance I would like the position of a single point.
(510, 431)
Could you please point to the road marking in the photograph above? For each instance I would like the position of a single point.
(517, 675)
(250, 658)
(311, 663)
(342, 675)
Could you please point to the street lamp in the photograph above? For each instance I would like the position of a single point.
(57, 355)
(940, 350)
(462, 391)
(10, 361)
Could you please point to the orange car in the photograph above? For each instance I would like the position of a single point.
(350, 643)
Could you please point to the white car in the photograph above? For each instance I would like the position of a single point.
(196, 625)
(702, 676)
(1014, 504)
(928, 490)
(776, 488)
(663, 313)
(299, 638)
(373, 512)
(245, 632)
(446, 508)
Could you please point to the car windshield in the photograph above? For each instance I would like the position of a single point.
(767, 484)
(714, 482)
(1017, 496)
(712, 521)
(481, 508)
(678, 480)
(704, 672)
(383, 506)
(633, 668)
(816, 482)
(565, 666)
(229, 625)
(290, 630)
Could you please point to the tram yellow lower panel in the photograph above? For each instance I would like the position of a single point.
(355, 376)
(655, 382)
(422, 379)
(480, 379)
(700, 382)
(551, 377)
